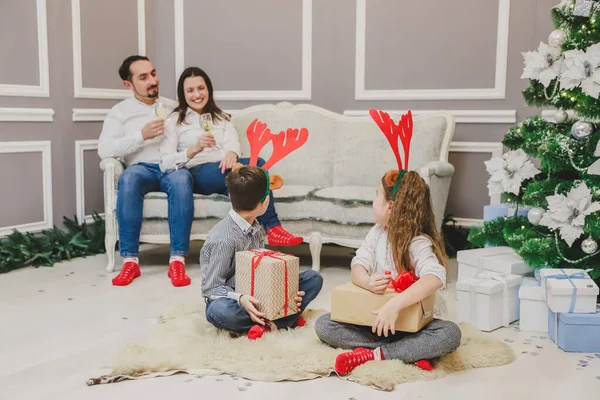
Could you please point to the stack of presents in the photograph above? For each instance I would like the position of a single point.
(496, 287)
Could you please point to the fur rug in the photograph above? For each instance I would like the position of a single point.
(183, 341)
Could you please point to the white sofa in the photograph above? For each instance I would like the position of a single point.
(330, 182)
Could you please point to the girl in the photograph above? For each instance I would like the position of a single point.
(404, 239)
(210, 154)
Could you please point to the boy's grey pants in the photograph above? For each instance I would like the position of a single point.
(435, 340)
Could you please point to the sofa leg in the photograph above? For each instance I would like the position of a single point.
(315, 243)
(109, 242)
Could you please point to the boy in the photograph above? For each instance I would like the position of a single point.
(240, 231)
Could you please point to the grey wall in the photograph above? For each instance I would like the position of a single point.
(256, 46)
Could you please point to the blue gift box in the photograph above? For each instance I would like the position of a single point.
(491, 213)
(577, 333)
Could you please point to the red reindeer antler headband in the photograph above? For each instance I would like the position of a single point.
(284, 143)
(402, 132)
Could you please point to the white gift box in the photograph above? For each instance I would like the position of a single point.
(503, 260)
(489, 301)
(569, 290)
(533, 307)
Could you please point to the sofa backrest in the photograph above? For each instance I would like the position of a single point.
(363, 154)
(312, 164)
(341, 150)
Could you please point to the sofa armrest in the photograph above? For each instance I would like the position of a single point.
(117, 167)
(437, 168)
(113, 169)
(438, 175)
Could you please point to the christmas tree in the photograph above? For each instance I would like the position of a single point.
(553, 168)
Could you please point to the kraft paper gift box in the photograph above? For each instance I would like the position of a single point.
(354, 305)
(533, 308)
(271, 277)
(569, 290)
(503, 260)
(575, 332)
(489, 301)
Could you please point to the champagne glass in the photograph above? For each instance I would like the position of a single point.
(160, 110)
(161, 113)
(206, 122)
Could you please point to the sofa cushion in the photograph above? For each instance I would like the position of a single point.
(292, 192)
(326, 210)
(363, 154)
(347, 195)
(213, 206)
(216, 205)
(312, 164)
(340, 205)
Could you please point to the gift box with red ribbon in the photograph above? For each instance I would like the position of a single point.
(354, 305)
(271, 277)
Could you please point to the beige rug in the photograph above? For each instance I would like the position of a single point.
(184, 341)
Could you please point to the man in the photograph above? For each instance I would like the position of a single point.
(133, 133)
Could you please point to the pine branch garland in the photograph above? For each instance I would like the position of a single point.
(54, 245)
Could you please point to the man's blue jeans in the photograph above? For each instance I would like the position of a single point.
(138, 180)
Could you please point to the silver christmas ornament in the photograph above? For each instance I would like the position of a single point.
(581, 129)
(561, 116)
(556, 38)
(583, 8)
(589, 246)
(535, 215)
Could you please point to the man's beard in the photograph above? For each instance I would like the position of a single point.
(153, 94)
(148, 95)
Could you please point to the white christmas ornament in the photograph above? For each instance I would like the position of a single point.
(556, 38)
(582, 69)
(543, 65)
(561, 116)
(567, 213)
(509, 171)
(535, 215)
(589, 246)
(581, 129)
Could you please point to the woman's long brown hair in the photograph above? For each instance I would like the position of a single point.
(411, 216)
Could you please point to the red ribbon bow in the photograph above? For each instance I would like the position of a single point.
(403, 281)
(257, 258)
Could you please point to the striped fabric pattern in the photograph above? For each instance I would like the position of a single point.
(217, 257)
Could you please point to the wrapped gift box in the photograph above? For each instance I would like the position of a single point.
(533, 308)
(575, 332)
(271, 277)
(493, 212)
(490, 301)
(354, 305)
(502, 260)
(569, 290)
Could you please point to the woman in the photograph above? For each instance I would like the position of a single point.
(210, 155)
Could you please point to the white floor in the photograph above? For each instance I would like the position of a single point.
(63, 325)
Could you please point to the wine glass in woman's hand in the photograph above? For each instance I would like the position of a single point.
(206, 122)
(205, 140)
